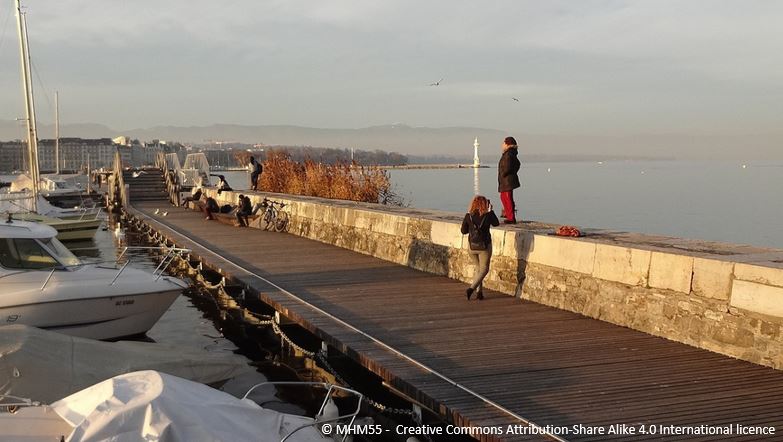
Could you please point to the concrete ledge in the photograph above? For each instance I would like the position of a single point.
(569, 254)
(671, 272)
(757, 298)
(760, 274)
(622, 264)
(712, 278)
(721, 297)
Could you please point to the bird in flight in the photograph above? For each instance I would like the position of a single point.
(437, 83)
(515, 99)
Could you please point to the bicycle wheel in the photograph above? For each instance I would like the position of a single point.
(268, 219)
(281, 223)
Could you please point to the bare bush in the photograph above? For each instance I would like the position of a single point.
(336, 181)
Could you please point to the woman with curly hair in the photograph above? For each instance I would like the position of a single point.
(476, 224)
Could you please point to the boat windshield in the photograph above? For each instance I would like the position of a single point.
(23, 253)
(60, 251)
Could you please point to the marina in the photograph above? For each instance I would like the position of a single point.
(616, 275)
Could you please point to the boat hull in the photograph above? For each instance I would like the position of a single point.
(109, 317)
(67, 229)
(71, 230)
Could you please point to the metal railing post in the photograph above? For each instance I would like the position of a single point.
(48, 278)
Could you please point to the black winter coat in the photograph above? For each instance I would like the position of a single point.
(483, 222)
(508, 167)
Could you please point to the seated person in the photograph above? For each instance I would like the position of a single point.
(195, 195)
(208, 206)
(244, 209)
(222, 184)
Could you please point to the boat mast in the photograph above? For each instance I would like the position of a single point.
(57, 132)
(32, 132)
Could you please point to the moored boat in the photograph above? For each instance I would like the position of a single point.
(149, 405)
(44, 285)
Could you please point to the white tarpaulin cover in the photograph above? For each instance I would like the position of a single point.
(46, 366)
(22, 182)
(23, 203)
(152, 406)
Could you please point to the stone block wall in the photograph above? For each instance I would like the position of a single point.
(720, 297)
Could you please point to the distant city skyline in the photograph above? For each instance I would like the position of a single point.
(606, 68)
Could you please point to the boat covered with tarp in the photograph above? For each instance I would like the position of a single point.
(45, 366)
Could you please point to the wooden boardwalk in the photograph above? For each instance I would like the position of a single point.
(550, 366)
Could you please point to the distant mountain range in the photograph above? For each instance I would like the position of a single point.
(455, 142)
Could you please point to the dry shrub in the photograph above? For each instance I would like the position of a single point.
(336, 181)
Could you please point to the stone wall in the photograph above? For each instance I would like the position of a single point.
(721, 297)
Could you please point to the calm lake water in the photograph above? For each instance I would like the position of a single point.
(720, 201)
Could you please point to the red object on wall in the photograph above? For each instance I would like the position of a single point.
(568, 231)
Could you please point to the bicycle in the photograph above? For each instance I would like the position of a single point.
(273, 215)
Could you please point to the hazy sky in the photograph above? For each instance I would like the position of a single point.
(577, 67)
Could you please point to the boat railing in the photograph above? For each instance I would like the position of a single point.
(330, 389)
(172, 253)
(89, 213)
(11, 403)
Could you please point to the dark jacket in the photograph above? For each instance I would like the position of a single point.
(246, 206)
(508, 167)
(212, 205)
(483, 222)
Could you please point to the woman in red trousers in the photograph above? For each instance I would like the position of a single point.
(508, 180)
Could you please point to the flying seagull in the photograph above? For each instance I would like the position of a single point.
(515, 99)
(437, 83)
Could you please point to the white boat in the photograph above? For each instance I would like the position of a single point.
(44, 285)
(71, 225)
(67, 229)
(148, 405)
(45, 366)
(22, 202)
(48, 185)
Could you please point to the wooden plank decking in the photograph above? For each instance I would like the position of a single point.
(551, 366)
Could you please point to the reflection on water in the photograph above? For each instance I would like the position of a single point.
(476, 183)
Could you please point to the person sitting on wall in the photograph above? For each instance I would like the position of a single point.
(195, 195)
(244, 209)
(222, 185)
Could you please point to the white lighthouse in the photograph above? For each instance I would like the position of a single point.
(476, 162)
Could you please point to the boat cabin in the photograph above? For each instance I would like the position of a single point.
(27, 245)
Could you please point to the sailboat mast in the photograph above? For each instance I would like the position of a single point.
(32, 134)
(56, 132)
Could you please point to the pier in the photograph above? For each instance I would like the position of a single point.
(501, 362)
